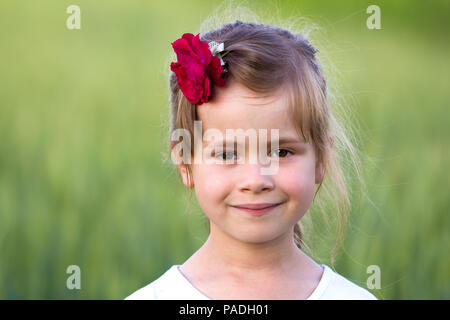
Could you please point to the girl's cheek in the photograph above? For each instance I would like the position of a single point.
(213, 180)
(296, 179)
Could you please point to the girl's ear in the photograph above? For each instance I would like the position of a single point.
(184, 175)
(182, 168)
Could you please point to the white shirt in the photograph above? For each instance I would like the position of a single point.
(173, 285)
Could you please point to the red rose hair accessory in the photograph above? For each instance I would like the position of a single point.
(197, 64)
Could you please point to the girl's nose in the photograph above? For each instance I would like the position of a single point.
(251, 179)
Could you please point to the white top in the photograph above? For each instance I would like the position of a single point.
(173, 285)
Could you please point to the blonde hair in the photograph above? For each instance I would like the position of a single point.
(265, 58)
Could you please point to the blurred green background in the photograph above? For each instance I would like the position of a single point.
(83, 130)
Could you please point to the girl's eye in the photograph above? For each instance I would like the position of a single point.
(280, 152)
(226, 155)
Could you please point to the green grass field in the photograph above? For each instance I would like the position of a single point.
(83, 124)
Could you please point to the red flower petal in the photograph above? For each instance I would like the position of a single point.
(206, 90)
(201, 48)
(182, 47)
(214, 70)
(192, 91)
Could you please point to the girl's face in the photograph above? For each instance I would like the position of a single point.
(220, 188)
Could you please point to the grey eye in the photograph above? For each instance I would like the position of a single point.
(226, 155)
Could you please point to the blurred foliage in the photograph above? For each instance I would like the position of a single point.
(83, 118)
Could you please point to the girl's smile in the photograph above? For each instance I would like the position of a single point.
(258, 208)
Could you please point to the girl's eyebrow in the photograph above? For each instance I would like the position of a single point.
(290, 139)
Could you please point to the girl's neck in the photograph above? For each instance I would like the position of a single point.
(224, 256)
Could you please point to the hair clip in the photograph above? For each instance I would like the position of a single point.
(216, 50)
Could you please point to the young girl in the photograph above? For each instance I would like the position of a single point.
(248, 76)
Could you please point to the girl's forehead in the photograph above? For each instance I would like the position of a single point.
(234, 92)
(246, 117)
(238, 107)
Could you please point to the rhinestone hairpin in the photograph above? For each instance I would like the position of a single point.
(216, 49)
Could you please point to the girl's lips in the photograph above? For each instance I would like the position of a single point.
(257, 209)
